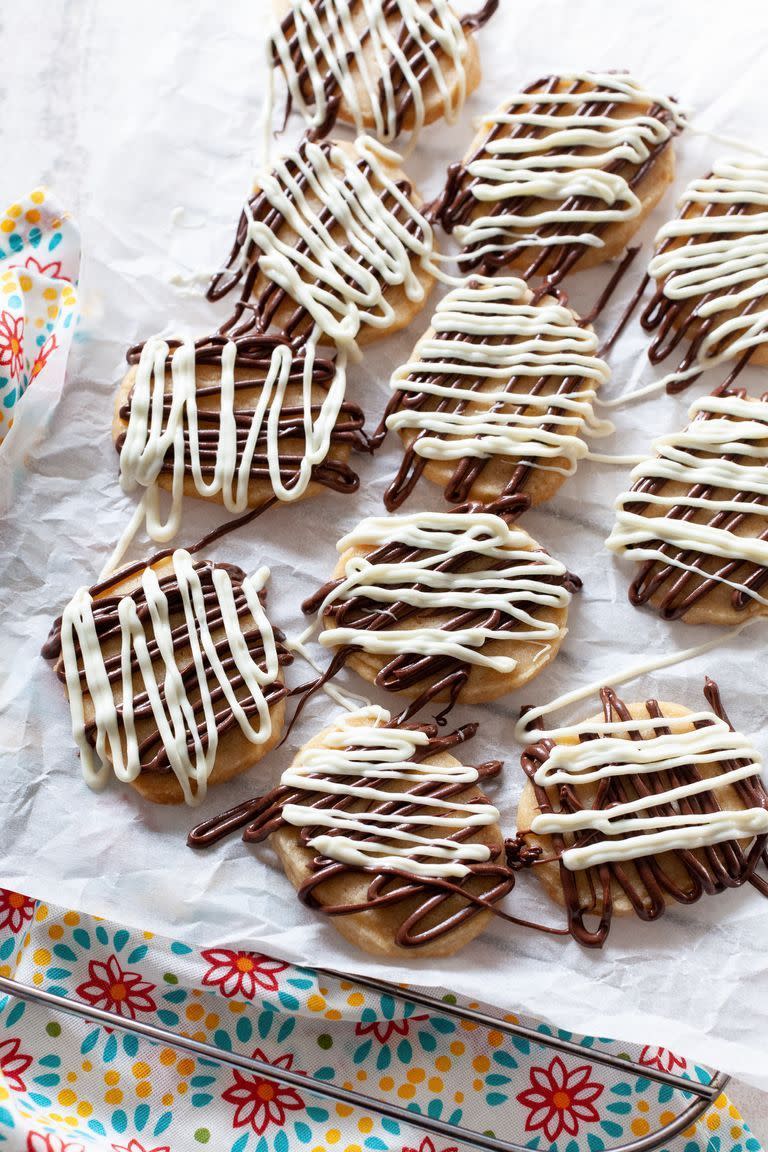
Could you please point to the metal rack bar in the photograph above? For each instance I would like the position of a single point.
(703, 1094)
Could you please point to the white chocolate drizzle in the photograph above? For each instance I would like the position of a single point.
(360, 45)
(635, 828)
(718, 264)
(155, 438)
(486, 330)
(358, 748)
(182, 707)
(341, 290)
(516, 591)
(699, 455)
(550, 157)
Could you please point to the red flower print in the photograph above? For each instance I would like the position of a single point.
(384, 1030)
(117, 991)
(15, 910)
(662, 1059)
(53, 269)
(261, 1102)
(12, 343)
(241, 973)
(427, 1145)
(134, 1146)
(558, 1099)
(48, 1142)
(43, 356)
(13, 1064)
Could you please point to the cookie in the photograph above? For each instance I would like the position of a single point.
(332, 247)
(379, 827)
(710, 271)
(447, 606)
(173, 674)
(497, 397)
(695, 516)
(385, 67)
(561, 175)
(641, 806)
(235, 422)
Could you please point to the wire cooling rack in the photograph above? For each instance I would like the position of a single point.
(698, 1096)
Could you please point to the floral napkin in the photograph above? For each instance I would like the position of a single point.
(39, 265)
(67, 1085)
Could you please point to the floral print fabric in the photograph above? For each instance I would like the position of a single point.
(39, 264)
(67, 1085)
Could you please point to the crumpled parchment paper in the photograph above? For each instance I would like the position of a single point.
(156, 159)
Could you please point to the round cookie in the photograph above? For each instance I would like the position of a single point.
(642, 883)
(358, 305)
(504, 342)
(677, 510)
(147, 733)
(514, 661)
(376, 930)
(443, 89)
(714, 250)
(254, 360)
(597, 205)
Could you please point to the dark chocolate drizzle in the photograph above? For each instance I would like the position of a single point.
(441, 675)
(448, 904)
(152, 754)
(256, 314)
(458, 205)
(673, 321)
(681, 589)
(254, 355)
(648, 883)
(409, 46)
(470, 468)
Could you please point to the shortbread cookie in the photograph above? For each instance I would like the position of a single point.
(641, 806)
(562, 174)
(383, 67)
(696, 515)
(237, 422)
(454, 606)
(711, 273)
(497, 396)
(381, 828)
(173, 674)
(332, 243)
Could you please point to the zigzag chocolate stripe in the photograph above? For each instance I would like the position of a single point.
(722, 460)
(694, 846)
(536, 182)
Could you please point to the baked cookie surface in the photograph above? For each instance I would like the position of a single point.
(383, 67)
(497, 397)
(562, 174)
(449, 606)
(173, 674)
(641, 806)
(695, 516)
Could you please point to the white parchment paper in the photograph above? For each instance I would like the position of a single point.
(132, 112)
